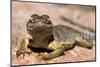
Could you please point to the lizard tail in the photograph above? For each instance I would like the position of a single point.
(86, 41)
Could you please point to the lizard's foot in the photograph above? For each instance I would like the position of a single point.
(44, 56)
(23, 52)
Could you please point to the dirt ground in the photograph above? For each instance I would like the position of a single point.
(82, 19)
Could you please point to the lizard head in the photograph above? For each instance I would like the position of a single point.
(39, 24)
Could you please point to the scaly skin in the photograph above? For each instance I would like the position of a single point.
(40, 28)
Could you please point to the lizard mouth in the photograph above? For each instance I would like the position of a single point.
(38, 29)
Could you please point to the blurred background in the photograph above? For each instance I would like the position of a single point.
(79, 17)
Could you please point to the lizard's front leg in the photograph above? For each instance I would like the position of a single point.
(58, 47)
(23, 48)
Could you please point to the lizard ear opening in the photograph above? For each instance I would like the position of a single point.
(48, 22)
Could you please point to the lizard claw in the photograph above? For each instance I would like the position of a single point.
(23, 52)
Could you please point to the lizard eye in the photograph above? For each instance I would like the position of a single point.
(34, 16)
(45, 16)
